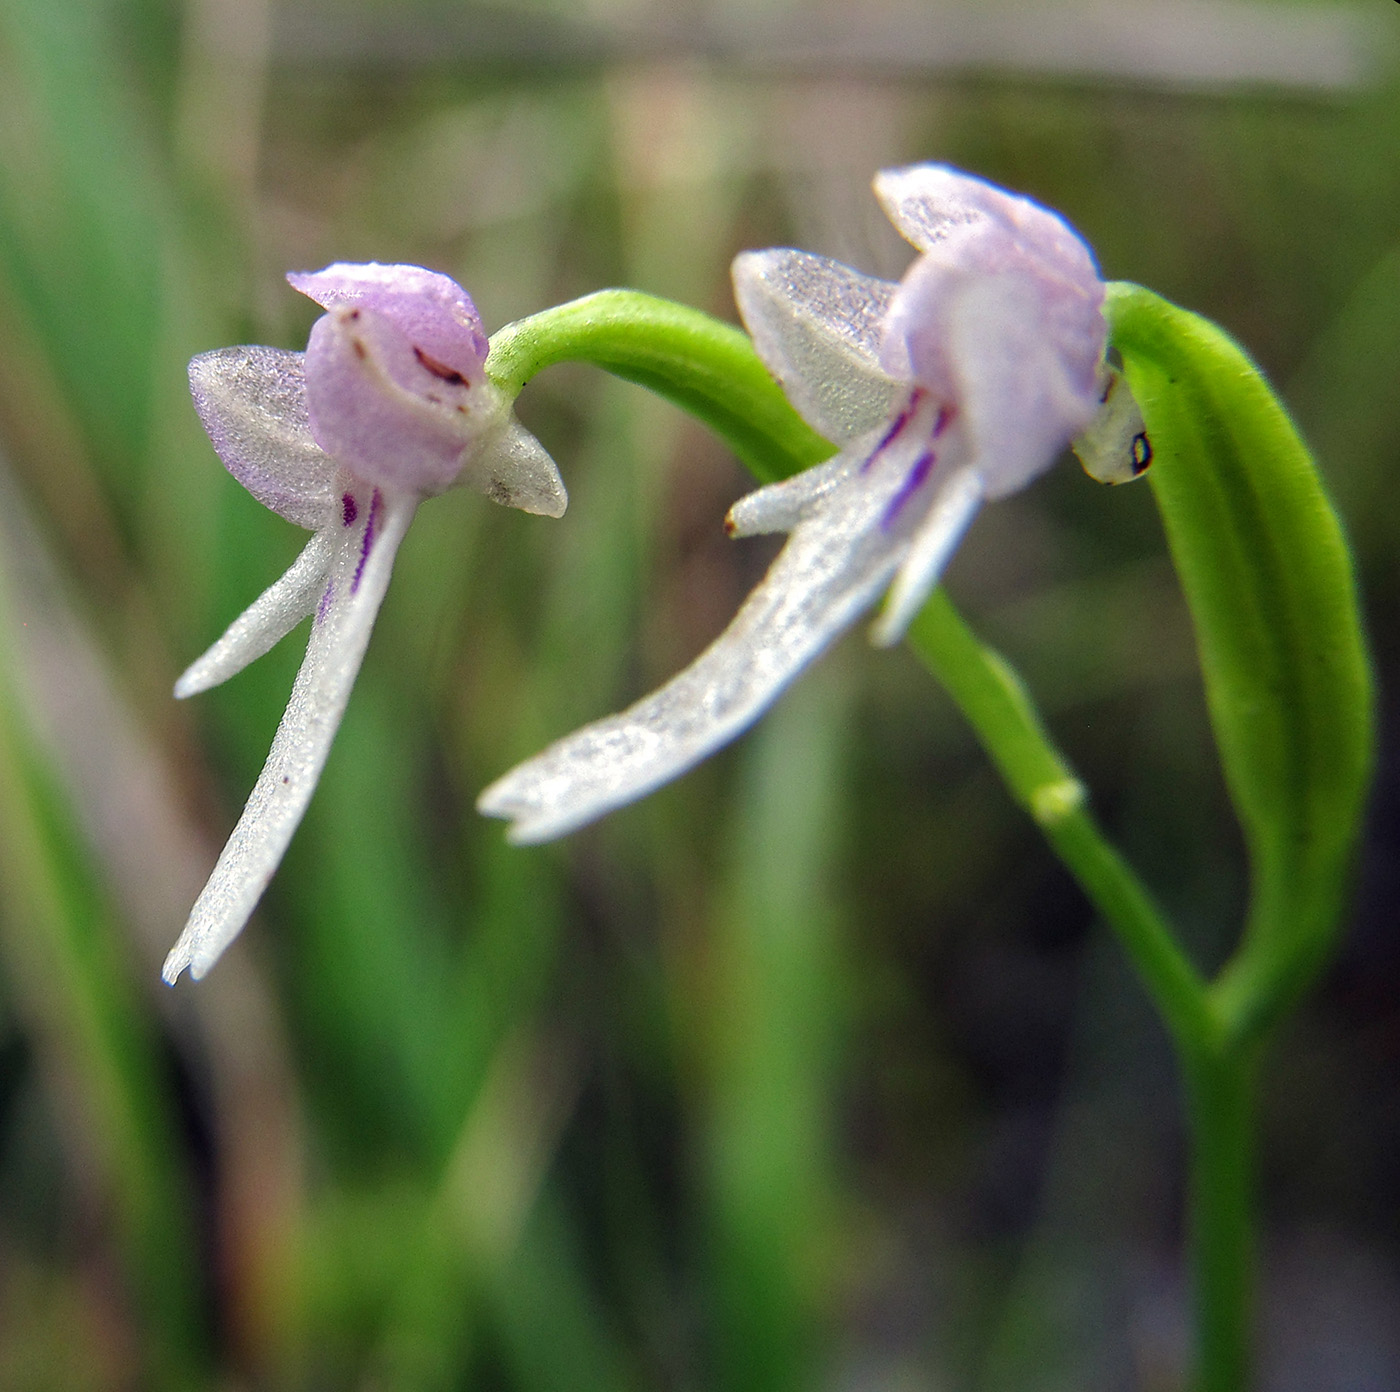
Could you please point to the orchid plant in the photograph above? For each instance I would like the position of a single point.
(881, 416)
(388, 405)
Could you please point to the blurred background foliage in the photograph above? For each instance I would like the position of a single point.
(813, 1070)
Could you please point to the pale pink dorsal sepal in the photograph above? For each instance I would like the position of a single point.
(427, 307)
(383, 415)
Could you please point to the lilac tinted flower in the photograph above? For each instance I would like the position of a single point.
(389, 404)
(958, 384)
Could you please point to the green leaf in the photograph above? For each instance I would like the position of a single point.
(1267, 575)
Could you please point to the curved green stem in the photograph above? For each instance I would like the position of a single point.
(996, 704)
(705, 366)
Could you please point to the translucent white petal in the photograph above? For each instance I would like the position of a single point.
(832, 569)
(781, 506)
(817, 325)
(252, 401)
(1114, 447)
(358, 577)
(515, 470)
(267, 620)
(937, 538)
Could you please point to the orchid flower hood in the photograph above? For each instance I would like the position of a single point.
(389, 404)
(957, 385)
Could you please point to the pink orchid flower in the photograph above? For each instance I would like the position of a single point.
(389, 404)
(958, 385)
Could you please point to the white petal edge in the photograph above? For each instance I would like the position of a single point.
(303, 740)
(266, 621)
(949, 517)
(817, 325)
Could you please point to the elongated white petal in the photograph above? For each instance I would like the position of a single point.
(937, 538)
(817, 326)
(252, 401)
(832, 569)
(357, 579)
(267, 620)
(807, 599)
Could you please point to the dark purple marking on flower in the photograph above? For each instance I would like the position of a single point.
(349, 509)
(375, 503)
(1142, 453)
(440, 369)
(896, 427)
(944, 419)
(327, 599)
(914, 480)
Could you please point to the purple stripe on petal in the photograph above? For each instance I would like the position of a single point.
(896, 426)
(327, 599)
(376, 502)
(915, 480)
(349, 509)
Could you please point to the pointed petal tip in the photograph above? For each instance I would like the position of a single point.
(516, 798)
(515, 470)
(182, 959)
(551, 504)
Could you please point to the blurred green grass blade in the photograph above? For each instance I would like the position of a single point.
(553, 1330)
(70, 982)
(1356, 359)
(79, 204)
(1267, 575)
(771, 1050)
